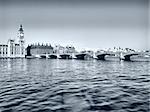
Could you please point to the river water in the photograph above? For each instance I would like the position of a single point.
(45, 85)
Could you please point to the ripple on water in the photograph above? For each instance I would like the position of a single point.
(73, 86)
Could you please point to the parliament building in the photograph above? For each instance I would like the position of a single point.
(15, 48)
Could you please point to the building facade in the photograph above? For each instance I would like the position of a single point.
(14, 47)
(64, 50)
(3, 50)
(37, 49)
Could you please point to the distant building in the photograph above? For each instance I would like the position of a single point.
(14, 48)
(39, 49)
(3, 50)
(63, 50)
(70, 49)
(58, 49)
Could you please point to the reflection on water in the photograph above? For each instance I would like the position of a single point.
(44, 85)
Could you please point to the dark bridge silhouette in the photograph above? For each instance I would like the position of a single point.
(52, 56)
(81, 56)
(127, 57)
(102, 56)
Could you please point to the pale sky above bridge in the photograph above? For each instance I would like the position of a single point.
(89, 24)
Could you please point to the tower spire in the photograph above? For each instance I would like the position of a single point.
(21, 29)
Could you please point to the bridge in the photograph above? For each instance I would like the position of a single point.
(54, 56)
(51, 56)
(127, 57)
(139, 56)
(102, 56)
(84, 55)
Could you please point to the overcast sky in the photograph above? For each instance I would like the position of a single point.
(89, 24)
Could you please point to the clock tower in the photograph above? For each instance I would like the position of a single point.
(21, 41)
(21, 33)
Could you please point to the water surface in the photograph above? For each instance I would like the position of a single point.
(45, 85)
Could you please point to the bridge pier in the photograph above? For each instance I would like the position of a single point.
(102, 56)
(128, 57)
